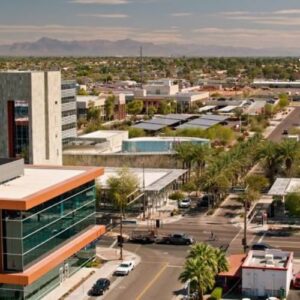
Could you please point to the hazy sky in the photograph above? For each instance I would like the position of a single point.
(251, 23)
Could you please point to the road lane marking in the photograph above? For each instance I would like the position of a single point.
(262, 237)
(139, 297)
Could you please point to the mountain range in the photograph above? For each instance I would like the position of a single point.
(54, 47)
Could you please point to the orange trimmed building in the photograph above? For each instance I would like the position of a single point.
(47, 228)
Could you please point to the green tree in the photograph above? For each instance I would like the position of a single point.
(268, 153)
(289, 152)
(82, 92)
(207, 259)
(109, 107)
(136, 132)
(199, 274)
(184, 153)
(152, 110)
(257, 182)
(121, 187)
(292, 203)
(93, 112)
(135, 107)
(165, 107)
(283, 100)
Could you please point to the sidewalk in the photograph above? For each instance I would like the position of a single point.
(111, 255)
(163, 214)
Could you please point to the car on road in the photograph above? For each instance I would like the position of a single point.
(142, 236)
(185, 203)
(261, 246)
(296, 281)
(285, 132)
(124, 268)
(99, 287)
(176, 239)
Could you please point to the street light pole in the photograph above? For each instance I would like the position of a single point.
(121, 236)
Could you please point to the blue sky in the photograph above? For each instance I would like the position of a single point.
(251, 23)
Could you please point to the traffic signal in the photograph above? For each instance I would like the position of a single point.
(120, 241)
(157, 223)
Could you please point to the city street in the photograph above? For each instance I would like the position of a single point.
(293, 120)
(156, 277)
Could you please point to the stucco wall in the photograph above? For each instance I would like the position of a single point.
(166, 161)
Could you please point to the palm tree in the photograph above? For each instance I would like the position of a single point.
(199, 275)
(206, 253)
(269, 154)
(288, 152)
(184, 153)
(200, 157)
(203, 263)
(222, 261)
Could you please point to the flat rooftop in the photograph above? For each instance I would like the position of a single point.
(155, 179)
(39, 184)
(269, 259)
(283, 186)
(104, 134)
(168, 139)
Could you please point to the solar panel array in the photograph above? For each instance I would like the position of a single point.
(180, 121)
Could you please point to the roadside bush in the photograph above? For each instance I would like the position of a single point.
(216, 294)
(177, 196)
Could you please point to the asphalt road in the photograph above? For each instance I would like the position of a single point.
(293, 120)
(156, 277)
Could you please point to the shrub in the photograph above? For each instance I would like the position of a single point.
(216, 294)
(177, 196)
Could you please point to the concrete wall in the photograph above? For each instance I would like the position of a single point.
(262, 282)
(166, 161)
(42, 90)
(12, 86)
(11, 169)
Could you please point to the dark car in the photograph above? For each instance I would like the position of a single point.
(261, 246)
(99, 287)
(206, 201)
(285, 132)
(176, 239)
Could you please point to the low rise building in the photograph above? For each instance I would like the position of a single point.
(267, 273)
(262, 83)
(68, 110)
(48, 226)
(85, 102)
(165, 87)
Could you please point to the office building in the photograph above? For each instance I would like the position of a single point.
(30, 114)
(48, 227)
(69, 110)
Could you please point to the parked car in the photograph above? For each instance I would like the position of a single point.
(124, 268)
(285, 132)
(176, 239)
(99, 287)
(206, 201)
(185, 203)
(296, 281)
(261, 246)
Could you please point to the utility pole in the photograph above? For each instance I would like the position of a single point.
(121, 236)
(141, 65)
(144, 196)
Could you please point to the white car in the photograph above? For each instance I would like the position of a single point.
(185, 203)
(124, 268)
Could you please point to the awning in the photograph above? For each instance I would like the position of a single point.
(235, 262)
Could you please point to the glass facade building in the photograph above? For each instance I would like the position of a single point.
(29, 237)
